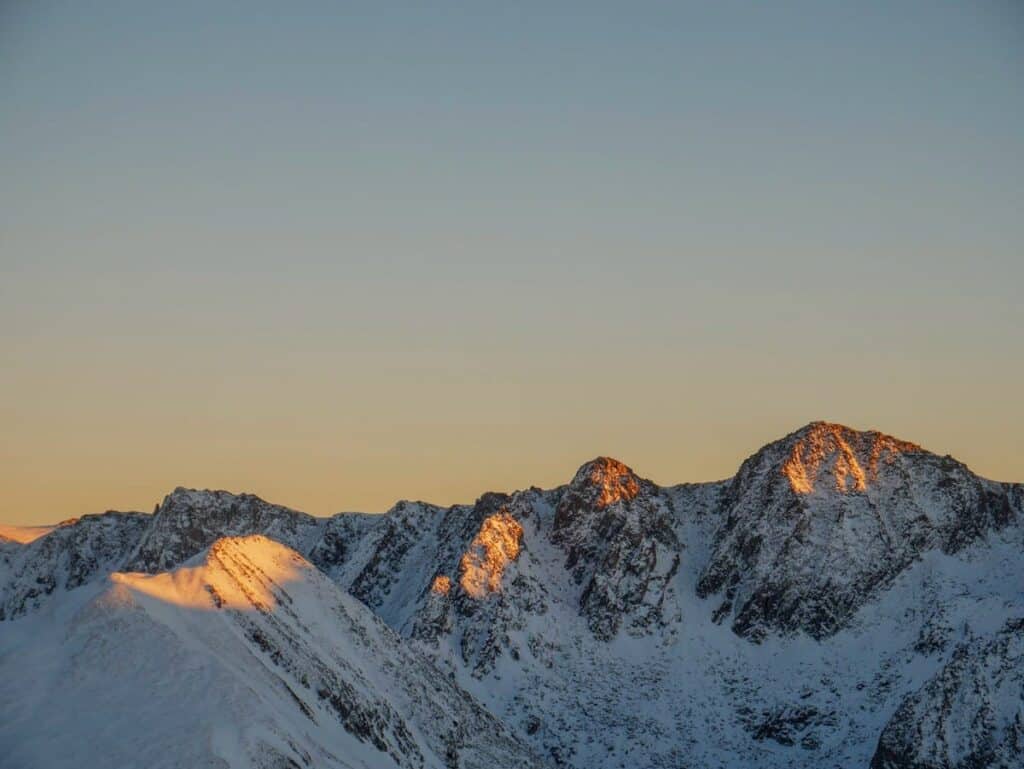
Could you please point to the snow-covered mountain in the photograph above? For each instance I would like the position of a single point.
(246, 655)
(847, 599)
(968, 714)
(74, 553)
(818, 523)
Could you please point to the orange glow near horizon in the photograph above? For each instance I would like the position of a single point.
(341, 259)
(24, 534)
(326, 468)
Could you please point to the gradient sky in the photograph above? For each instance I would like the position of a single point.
(339, 254)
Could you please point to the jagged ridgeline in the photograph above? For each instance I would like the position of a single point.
(846, 599)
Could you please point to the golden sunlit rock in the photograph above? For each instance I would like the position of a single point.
(825, 452)
(494, 547)
(615, 481)
(442, 585)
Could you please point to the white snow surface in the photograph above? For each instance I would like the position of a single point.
(845, 598)
(693, 693)
(229, 661)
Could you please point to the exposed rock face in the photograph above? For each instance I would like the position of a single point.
(818, 523)
(616, 531)
(340, 538)
(595, 618)
(839, 458)
(970, 715)
(479, 592)
(495, 546)
(72, 554)
(190, 521)
(400, 558)
(597, 484)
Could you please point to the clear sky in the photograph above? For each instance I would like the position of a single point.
(339, 254)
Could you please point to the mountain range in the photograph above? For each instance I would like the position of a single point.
(847, 599)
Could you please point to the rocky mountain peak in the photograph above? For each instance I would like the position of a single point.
(571, 614)
(818, 523)
(190, 520)
(602, 492)
(830, 456)
(604, 481)
(201, 499)
(72, 554)
(616, 531)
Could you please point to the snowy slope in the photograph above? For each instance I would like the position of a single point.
(71, 555)
(758, 621)
(968, 715)
(245, 657)
(794, 615)
(80, 550)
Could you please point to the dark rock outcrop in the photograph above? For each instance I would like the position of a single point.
(189, 521)
(968, 716)
(820, 522)
(617, 533)
(74, 553)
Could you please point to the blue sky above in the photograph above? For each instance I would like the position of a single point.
(567, 229)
